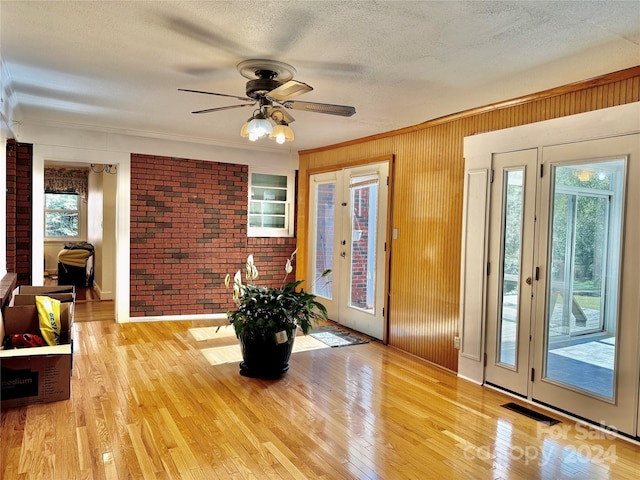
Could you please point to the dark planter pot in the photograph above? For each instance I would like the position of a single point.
(264, 358)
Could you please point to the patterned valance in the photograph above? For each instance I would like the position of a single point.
(64, 180)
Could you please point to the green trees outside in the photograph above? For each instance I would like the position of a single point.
(513, 229)
(61, 215)
(581, 210)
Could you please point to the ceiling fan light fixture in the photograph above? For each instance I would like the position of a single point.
(270, 88)
(282, 133)
(259, 127)
(244, 130)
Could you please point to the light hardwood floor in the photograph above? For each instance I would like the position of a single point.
(155, 400)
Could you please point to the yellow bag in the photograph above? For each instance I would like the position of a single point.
(49, 319)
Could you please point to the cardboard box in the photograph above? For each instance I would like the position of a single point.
(39, 374)
(30, 299)
(26, 294)
(45, 290)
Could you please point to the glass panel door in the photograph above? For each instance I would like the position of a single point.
(587, 330)
(364, 212)
(512, 219)
(324, 228)
(510, 275)
(348, 220)
(362, 255)
(585, 267)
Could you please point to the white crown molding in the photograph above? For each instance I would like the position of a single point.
(118, 143)
(8, 104)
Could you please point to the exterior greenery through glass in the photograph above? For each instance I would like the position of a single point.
(61, 215)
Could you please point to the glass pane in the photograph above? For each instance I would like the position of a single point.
(265, 180)
(590, 240)
(267, 208)
(255, 221)
(268, 194)
(325, 236)
(268, 221)
(61, 201)
(61, 214)
(61, 224)
(512, 244)
(255, 208)
(585, 268)
(364, 201)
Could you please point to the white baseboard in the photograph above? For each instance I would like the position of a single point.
(174, 318)
(103, 294)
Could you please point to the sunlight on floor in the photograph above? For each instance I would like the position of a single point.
(209, 333)
(230, 351)
(601, 354)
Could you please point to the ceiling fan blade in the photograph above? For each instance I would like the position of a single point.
(228, 107)
(217, 94)
(288, 90)
(342, 110)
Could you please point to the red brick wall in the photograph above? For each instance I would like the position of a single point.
(325, 235)
(270, 257)
(360, 248)
(19, 209)
(11, 206)
(188, 230)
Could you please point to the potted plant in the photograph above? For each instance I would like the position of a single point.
(266, 319)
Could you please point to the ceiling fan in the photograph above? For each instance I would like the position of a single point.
(270, 89)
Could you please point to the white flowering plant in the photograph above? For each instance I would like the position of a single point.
(263, 312)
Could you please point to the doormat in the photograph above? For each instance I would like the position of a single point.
(335, 337)
(527, 412)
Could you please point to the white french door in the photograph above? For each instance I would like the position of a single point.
(348, 229)
(587, 339)
(563, 296)
(510, 286)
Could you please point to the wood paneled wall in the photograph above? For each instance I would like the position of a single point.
(428, 188)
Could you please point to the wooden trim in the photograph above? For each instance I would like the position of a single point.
(389, 245)
(341, 166)
(552, 92)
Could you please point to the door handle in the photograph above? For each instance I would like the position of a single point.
(343, 254)
(528, 281)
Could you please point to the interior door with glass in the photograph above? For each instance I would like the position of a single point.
(510, 282)
(586, 356)
(348, 229)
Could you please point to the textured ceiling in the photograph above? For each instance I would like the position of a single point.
(117, 66)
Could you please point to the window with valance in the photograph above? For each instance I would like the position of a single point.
(63, 180)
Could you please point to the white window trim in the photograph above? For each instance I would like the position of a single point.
(288, 230)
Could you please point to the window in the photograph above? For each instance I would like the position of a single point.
(270, 205)
(61, 212)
